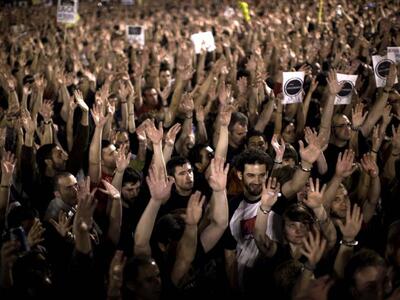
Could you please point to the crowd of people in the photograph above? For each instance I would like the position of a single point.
(151, 171)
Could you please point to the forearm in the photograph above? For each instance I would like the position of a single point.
(47, 137)
(144, 229)
(131, 117)
(124, 113)
(265, 117)
(375, 114)
(167, 152)
(373, 198)
(115, 219)
(299, 180)
(321, 164)
(221, 148)
(264, 243)
(117, 180)
(95, 156)
(185, 253)
(70, 130)
(342, 258)
(158, 160)
(82, 241)
(326, 225)
(202, 137)
(326, 119)
(389, 170)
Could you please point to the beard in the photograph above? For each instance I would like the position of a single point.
(253, 189)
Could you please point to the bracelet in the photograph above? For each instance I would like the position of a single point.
(349, 243)
(186, 117)
(355, 128)
(372, 150)
(47, 122)
(264, 211)
(304, 169)
(387, 91)
(397, 154)
(277, 162)
(123, 102)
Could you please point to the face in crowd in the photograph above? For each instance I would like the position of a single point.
(253, 178)
(341, 127)
(184, 178)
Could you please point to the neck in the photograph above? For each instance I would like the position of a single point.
(50, 172)
(107, 170)
(233, 145)
(183, 192)
(339, 143)
(295, 250)
(251, 197)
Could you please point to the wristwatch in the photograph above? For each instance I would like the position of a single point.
(349, 243)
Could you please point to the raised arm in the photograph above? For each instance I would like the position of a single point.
(170, 141)
(187, 245)
(219, 212)
(156, 136)
(160, 190)
(370, 167)
(268, 198)
(7, 170)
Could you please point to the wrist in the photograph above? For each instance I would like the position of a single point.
(309, 266)
(348, 242)
(265, 210)
(306, 166)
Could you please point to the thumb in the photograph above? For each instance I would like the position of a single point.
(301, 144)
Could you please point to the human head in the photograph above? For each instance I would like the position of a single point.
(51, 159)
(200, 156)
(165, 78)
(122, 138)
(66, 188)
(237, 129)
(150, 96)
(297, 223)
(252, 169)
(365, 274)
(289, 133)
(340, 203)
(290, 157)
(108, 155)
(256, 140)
(141, 279)
(131, 182)
(341, 128)
(181, 169)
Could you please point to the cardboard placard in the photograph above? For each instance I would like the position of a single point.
(381, 66)
(395, 51)
(292, 87)
(344, 96)
(135, 34)
(67, 11)
(203, 40)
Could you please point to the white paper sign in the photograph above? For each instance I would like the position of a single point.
(396, 52)
(203, 40)
(67, 11)
(381, 67)
(344, 96)
(135, 34)
(292, 87)
(127, 2)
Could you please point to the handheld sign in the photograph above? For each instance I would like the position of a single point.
(67, 11)
(344, 96)
(381, 67)
(396, 52)
(203, 39)
(135, 34)
(292, 87)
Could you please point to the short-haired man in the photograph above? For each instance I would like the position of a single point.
(237, 134)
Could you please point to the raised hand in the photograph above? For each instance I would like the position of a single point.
(40, 82)
(187, 105)
(35, 234)
(217, 179)
(309, 154)
(353, 223)
(123, 159)
(279, 148)
(154, 134)
(8, 163)
(98, 116)
(333, 85)
(225, 115)
(164, 94)
(386, 115)
(26, 90)
(72, 104)
(396, 139)
(27, 122)
(313, 248)
(194, 209)
(110, 190)
(9, 254)
(376, 138)
(63, 225)
(160, 189)
(79, 100)
(115, 274)
(270, 193)
(242, 85)
(344, 165)
(315, 196)
(83, 220)
(369, 165)
(357, 116)
(46, 111)
(172, 133)
(141, 132)
(224, 94)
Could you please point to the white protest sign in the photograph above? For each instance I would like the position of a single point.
(67, 11)
(381, 67)
(292, 87)
(135, 34)
(348, 81)
(396, 52)
(127, 2)
(203, 40)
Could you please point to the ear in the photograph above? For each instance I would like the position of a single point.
(239, 175)
(48, 162)
(57, 194)
(197, 165)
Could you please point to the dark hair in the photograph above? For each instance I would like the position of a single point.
(238, 117)
(133, 265)
(362, 259)
(169, 228)
(290, 152)
(43, 153)
(57, 179)
(131, 176)
(175, 162)
(254, 132)
(252, 157)
(19, 214)
(297, 212)
(283, 174)
(105, 144)
(194, 153)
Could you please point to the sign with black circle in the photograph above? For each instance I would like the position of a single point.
(347, 88)
(293, 87)
(382, 68)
